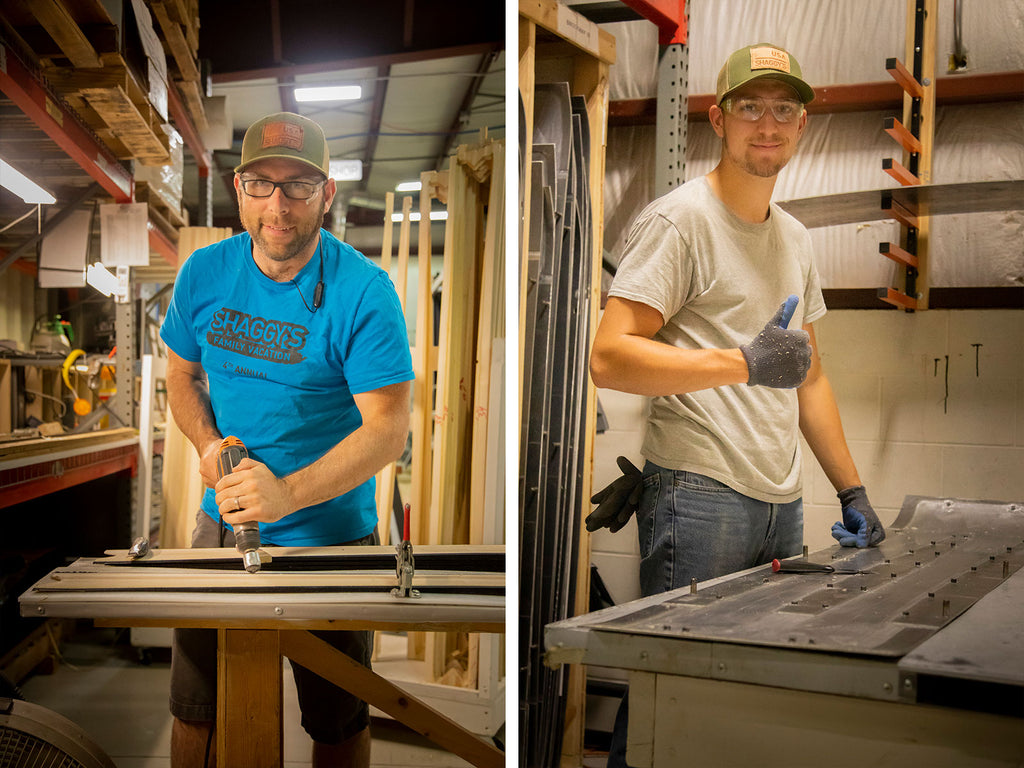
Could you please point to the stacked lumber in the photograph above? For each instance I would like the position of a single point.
(177, 25)
(115, 104)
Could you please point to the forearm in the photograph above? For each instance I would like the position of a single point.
(823, 429)
(647, 367)
(189, 401)
(349, 464)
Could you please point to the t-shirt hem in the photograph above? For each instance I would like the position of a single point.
(767, 496)
(369, 386)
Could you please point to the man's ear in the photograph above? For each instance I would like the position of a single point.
(716, 117)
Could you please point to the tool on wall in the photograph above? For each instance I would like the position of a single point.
(247, 534)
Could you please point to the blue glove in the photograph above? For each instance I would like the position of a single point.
(860, 526)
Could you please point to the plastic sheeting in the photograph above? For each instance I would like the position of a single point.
(843, 43)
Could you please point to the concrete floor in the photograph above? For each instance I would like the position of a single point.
(121, 703)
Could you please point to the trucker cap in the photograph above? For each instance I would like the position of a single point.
(757, 61)
(286, 135)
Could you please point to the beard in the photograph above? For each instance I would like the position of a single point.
(756, 164)
(306, 230)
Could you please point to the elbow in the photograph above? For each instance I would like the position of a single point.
(600, 369)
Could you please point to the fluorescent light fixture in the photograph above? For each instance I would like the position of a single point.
(329, 93)
(434, 216)
(23, 186)
(100, 278)
(409, 186)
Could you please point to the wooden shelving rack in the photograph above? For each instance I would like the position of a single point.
(557, 44)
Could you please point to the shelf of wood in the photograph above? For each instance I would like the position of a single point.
(926, 200)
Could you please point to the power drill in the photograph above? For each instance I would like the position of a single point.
(247, 534)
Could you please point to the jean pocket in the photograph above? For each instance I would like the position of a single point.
(647, 513)
(692, 481)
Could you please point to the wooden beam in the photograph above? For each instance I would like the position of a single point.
(903, 137)
(894, 252)
(904, 78)
(897, 298)
(181, 52)
(900, 212)
(65, 31)
(331, 664)
(899, 172)
(249, 690)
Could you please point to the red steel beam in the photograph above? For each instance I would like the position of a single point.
(49, 475)
(159, 242)
(669, 16)
(23, 88)
(189, 134)
(986, 88)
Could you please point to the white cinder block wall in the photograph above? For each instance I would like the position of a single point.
(907, 435)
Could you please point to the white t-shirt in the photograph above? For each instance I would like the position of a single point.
(717, 280)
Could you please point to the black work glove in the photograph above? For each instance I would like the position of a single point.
(617, 501)
(777, 357)
(860, 526)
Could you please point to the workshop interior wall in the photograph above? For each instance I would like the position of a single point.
(842, 152)
(907, 432)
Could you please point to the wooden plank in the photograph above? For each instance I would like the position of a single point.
(249, 692)
(899, 172)
(129, 122)
(6, 416)
(174, 38)
(47, 447)
(193, 98)
(897, 298)
(903, 76)
(331, 664)
(546, 14)
(144, 193)
(385, 484)
(894, 252)
(65, 31)
(213, 554)
(926, 131)
(903, 137)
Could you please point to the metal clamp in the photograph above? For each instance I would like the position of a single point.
(405, 569)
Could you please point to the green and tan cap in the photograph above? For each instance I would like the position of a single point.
(757, 61)
(289, 136)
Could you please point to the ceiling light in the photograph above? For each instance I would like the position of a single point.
(434, 216)
(23, 186)
(409, 186)
(329, 93)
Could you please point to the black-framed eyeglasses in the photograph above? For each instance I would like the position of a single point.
(752, 108)
(293, 190)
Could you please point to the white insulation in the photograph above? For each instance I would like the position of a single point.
(843, 43)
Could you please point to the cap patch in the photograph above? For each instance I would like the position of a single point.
(769, 58)
(286, 135)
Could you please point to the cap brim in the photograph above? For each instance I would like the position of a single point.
(803, 90)
(280, 156)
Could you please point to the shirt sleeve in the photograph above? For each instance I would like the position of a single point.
(379, 345)
(656, 268)
(178, 329)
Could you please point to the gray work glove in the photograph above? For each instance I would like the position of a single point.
(777, 357)
(860, 526)
(617, 501)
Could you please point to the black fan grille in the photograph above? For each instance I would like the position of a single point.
(23, 750)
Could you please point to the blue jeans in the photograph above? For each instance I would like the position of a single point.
(693, 527)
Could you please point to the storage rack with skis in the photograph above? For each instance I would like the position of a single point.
(563, 81)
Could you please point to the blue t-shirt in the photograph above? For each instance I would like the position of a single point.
(281, 376)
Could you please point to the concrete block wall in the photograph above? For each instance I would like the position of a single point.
(907, 432)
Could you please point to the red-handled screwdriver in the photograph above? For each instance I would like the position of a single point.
(804, 566)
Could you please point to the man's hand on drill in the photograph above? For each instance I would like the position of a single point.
(253, 492)
(617, 501)
(778, 357)
(861, 526)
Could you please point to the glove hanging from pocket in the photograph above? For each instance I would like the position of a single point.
(618, 501)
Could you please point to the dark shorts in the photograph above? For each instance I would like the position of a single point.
(330, 715)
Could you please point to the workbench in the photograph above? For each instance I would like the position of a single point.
(918, 660)
(263, 616)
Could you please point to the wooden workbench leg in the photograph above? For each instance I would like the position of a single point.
(249, 698)
(331, 664)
